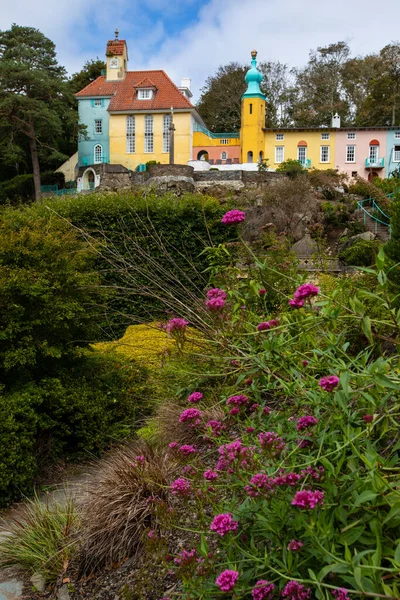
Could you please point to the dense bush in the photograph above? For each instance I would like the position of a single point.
(151, 246)
(79, 412)
(368, 189)
(21, 188)
(292, 168)
(48, 288)
(360, 254)
(388, 186)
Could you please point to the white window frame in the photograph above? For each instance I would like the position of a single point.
(347, 153)
(98, 102)
(396, 153)
(145, 94)
(328, 154)
(325, 136)
(374, 153)
(397, 135)
(167, 120)
(303, 160)
(97, 159)
(130, 135)
(279, 137)
(148, 134)
(224, 142)
(224, 155)
(98, 126)
(279, 150)
(351, 135)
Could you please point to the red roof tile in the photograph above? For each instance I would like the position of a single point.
(115, 47)
(145, 83)
(124, 96)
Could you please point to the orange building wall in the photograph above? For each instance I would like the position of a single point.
(215, 152)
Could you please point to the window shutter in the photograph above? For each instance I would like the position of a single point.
(102, 101)
(92, 103)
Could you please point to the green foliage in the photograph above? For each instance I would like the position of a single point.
(20, 189)
(388, 186)
(348, 454)
(292, 168)
(361, 254)
(90, 71)
(42, 541)
(151, 163)
(368, 189)
(48, 288)
(85, 407)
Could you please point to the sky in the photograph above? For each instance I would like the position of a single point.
(191, 38)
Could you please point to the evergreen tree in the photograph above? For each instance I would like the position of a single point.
(35, 102)
(90, 71)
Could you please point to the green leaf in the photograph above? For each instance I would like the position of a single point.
(351, 536)
(357, 577)
(334, 568)
(397, 554)
(384, 381)
(365, 497)
(366, 327)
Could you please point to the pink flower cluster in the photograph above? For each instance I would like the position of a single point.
(238, 400)
(233, 216)
(181, 487)
(215, 300)
(230, 453)
(216, 427)
(195, 397)
(295, 545)
(341, 594)
(314, 473)
(226, 580)
(265, 325)
(210, 475)
(186, 557)
(260, 484)
(290, 479)
(223, 524)
(329, 382)
(176, 324)
(295, 591)
(192, 416)
(263, 590)
(308, 499)
(187, 449)
(305, 422)
(307, 290)
(272, 442)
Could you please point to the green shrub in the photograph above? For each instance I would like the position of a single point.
(91, 403)
(388, 186)
(361, 254)
(18, 189)
(292, 168)
(368, 189)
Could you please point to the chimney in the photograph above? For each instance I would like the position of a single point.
(336, 121)
(186, 82)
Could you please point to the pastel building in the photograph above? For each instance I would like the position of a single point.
(131, 117)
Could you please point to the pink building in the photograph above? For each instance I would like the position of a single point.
(361, 152)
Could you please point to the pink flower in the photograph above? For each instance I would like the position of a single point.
(181, 487)
(263, 590)
(303, 443)
(191, 416)
(176, 324)
(304, 363)
(271, 441)
(249, 381)
(216, 427)
(306, 291)
(250, 429)
(195, 397)
(233, 216)
(368, 418)
(254, 407)
(328, 383)
(215, 299)
(173, 445)
(238, 400)
(216, 293)
(234, 411)
(260, 484)
(315, 474)
(305, 422)
(294, 303)
(186, 557)
(295, 545)
(341, 594)
(296, 591)
(308, 499)
(262, 292)
(223, 524)
(187, 449)
(266, 410)
(226, 580)
(210, 475)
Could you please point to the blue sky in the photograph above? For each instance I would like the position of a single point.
(191, 38)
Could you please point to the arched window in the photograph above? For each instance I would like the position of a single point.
(130, 135)
(202, 155)
(302, 152)
(98, 154)
(224, 155)
(373, 152)
(261, 156)
(250, 156)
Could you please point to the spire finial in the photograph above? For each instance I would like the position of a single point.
(116, 33)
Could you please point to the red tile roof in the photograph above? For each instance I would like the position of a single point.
(124, 96)
(115, 47)
(145, 83)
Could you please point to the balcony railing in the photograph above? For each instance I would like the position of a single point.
(87, 161)
(374, 163)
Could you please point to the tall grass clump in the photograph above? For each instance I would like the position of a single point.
(42, 539)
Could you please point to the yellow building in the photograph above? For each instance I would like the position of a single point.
(314, 148)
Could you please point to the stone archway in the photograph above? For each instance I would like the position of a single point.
(202, 155)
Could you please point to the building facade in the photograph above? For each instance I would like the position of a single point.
(132, 117)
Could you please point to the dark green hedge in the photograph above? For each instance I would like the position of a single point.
(173, 231)
(20, 189)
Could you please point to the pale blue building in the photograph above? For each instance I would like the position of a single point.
(95, 147)
(392, 150)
